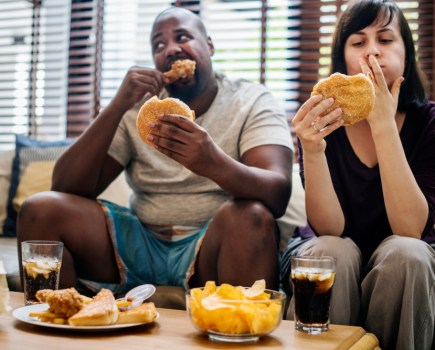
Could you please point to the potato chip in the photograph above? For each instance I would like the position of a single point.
(256, 290)
(209, 288)
(227, 291)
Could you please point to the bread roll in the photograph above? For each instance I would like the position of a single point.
(153, 107)
(101, 311)
(355, 95)
(144, 313)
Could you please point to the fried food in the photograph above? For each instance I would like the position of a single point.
(101, 311)
(67, 306)
(181, 69)
(144, 313)
(153, 107)
(62, 303)
(234, 309)
(355, 95)
(46, 316)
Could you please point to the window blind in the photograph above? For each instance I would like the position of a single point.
(84, 64)
(83, 48)
(33, 61)
(126, 32)
(255, 40)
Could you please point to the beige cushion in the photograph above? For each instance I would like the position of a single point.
(36, 178)
(5, 181)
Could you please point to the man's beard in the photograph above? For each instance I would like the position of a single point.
(184, 93)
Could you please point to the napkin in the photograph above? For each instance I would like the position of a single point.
(4, 290)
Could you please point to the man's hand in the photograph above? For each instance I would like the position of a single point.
(138, 82)
(186, 142)
(263, 168)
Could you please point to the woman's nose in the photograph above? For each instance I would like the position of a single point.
(372, 49)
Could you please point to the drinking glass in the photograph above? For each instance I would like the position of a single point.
(312, 278)
(41, 262)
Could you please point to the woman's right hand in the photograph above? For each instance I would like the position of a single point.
(138, 82)
(311, 126)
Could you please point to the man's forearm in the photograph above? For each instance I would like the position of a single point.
(79, 169)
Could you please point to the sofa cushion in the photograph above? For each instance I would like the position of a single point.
(35, 178)
(28, 150)
(5, 181)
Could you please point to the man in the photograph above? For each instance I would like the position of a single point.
(205, 198)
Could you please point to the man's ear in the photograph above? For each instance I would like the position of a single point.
(210, 46)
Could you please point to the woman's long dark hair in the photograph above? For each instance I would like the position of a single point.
(363, 13)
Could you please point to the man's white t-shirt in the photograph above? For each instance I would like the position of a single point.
(242, 116)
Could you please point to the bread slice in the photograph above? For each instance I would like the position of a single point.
(145, 313)
(101, 311)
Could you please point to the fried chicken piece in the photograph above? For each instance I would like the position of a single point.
(181, 69)
(63, 303)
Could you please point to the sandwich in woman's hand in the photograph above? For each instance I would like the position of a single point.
(355, 95)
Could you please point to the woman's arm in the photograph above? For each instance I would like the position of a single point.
(322, 205)
(406, 206)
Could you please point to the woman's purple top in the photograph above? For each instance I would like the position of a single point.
(359, 188)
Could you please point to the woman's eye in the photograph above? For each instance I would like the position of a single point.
(385, 40)
(358, 43)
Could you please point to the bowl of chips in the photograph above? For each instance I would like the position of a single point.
(235, 314)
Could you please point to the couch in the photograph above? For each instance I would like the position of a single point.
(33, 175)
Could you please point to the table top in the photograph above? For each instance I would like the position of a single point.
(172, 328)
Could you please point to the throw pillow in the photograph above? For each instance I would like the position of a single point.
(36, 178)
(5, 182)
(28, 150)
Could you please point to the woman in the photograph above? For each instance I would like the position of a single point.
(370, 187)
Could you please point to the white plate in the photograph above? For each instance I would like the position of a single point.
(22, 314)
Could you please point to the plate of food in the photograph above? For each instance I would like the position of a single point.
(68, 310)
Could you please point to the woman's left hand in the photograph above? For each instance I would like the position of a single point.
(386, 101)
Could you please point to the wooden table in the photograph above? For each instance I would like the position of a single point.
(172, 329)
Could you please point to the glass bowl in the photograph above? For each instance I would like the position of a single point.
(233, 320)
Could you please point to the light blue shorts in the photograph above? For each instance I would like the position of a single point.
(143, 257)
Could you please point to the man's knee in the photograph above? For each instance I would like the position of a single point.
(43, 214)
(249, 212)
(40, 207)
(251, 220)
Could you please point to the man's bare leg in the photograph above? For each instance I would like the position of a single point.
(77, 222)
(241, 246)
